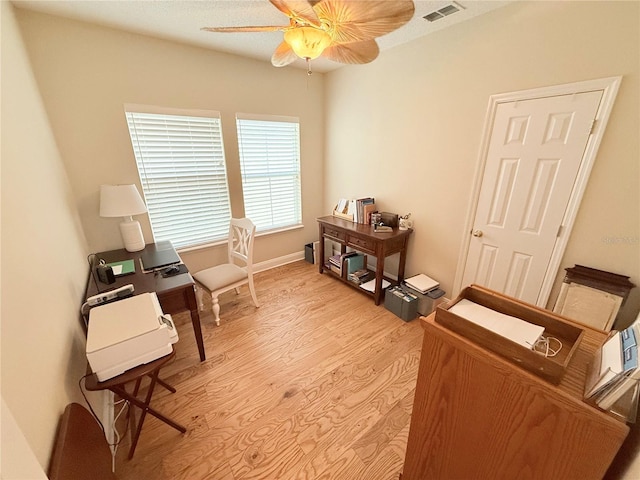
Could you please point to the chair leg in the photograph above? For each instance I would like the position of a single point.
(199, 296)
(253, 292)
(216, 309)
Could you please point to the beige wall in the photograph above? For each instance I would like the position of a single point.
(407, 128)
(43, 262)
(87, 73)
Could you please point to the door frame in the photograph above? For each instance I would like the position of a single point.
(609, 86)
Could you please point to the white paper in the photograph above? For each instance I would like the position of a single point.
(117, 269)
(513, 328)
(370, 286)
(610, 363)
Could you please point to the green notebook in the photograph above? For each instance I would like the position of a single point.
(124, 267)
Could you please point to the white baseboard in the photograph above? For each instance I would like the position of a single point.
(278, 262)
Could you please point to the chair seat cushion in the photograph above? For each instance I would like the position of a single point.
(220, 276)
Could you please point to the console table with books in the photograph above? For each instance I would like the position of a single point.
(363, 238)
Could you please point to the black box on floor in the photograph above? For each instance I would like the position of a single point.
(401, 303)
(308, 252)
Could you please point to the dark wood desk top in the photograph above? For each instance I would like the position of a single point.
(176, 293)
(363, 229)
(142, 282)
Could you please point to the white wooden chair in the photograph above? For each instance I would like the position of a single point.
(228, 276)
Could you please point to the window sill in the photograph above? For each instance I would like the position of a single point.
(224, 241)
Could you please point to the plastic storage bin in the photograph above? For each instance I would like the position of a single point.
(403, 304)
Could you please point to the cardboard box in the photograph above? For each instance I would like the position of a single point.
(549, 368)
(401, 303)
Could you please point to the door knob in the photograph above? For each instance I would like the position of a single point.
(477, 233)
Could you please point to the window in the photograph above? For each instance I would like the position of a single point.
(180, 159)
(269, 148)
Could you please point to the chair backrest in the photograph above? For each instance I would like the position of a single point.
(241, 234)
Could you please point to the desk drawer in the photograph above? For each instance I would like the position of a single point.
(335, 234)
(362, 244)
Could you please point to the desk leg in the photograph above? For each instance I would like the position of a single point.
(192, 303)
(197, 330)
(321, 250)
(179, 300)
(403, 259)
(377, 296)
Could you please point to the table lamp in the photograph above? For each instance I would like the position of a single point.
(124, 201)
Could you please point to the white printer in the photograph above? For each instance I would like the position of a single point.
(127, 333)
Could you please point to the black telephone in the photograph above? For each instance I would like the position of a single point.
(105, 273)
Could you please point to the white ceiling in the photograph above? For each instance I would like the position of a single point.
(181, 20)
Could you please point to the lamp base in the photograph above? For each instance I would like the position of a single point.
(132, 235)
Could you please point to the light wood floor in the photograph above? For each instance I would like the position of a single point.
(317, 383)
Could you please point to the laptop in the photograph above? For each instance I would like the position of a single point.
(158, 255)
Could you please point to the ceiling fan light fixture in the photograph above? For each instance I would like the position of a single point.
(307, 42)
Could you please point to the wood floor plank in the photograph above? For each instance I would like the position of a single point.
(316, 383)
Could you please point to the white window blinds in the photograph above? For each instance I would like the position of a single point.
(269, 148)
(181, 163)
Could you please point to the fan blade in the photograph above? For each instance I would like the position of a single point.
(298, 9)
(364, 19)
(353, 52)
(283, 55)
(265, 28)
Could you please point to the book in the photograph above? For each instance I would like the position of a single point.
(422, 283)
(370, 286)
(368, 209)
(125, 267)
(606, 368)
(355, 262)
(361, 204)
(631, 373)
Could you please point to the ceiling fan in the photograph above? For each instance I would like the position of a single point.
(341, 30)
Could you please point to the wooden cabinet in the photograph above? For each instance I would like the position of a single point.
(363, 238)
(477, 415)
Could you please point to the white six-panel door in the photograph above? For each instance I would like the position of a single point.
(534, 156)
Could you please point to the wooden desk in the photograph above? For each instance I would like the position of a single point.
(176, 294)
(363, 238)
(479, 415)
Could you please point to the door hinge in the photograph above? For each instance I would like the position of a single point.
(559, 231)
(593, 126)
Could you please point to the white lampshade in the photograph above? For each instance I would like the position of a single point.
(120, 201)
(124, 201)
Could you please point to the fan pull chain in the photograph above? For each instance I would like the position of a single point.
(309, 72)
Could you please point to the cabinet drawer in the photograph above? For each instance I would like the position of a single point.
(363, 244)
(333, 233)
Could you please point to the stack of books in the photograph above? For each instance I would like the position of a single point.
(614, 372)
(360, 276)
(355, 210)
(336, 262)
(364, 208)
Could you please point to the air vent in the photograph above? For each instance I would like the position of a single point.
(453, 7)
